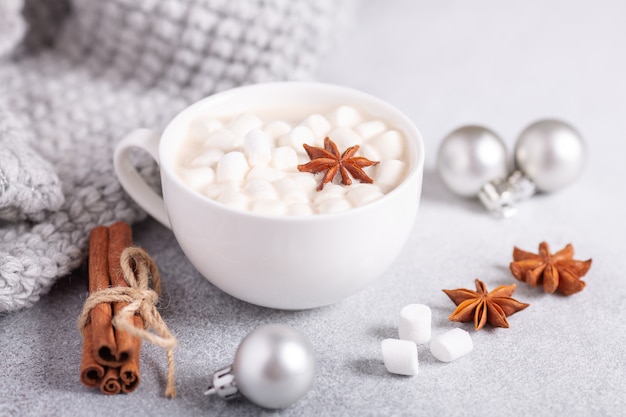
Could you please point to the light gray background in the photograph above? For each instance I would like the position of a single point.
(502, 64)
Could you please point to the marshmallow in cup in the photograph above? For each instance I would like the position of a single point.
(256, 155)
(285, 252)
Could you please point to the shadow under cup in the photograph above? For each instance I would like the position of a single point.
(290, 262)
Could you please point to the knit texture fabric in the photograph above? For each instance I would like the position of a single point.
(86, 73)
(29, 186)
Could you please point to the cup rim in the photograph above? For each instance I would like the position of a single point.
(167, 142)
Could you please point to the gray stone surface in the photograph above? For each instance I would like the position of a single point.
(444, 64)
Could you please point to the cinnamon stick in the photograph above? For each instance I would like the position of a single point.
(111, 382)
(129, 372)
(91, 372)
(104, 347)
(120, 237)
(110, 358)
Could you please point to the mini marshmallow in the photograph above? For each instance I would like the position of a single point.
(215, 190)
(344, 137)
(284, 158)
(345, 116)
(400, 356)
(297, 137)
(260, 161)
(334, 205)
(299, 209)
(266, 173)
(257, 148)
(212, 125)
(368, 130)
(273, 207)
(307, 181)
(290, 191)
(233, 166)
(388, 173)
(390, 145)
(260, 189)
(277, 129)
(198, 178)
(234, 198)
(415, 323)
(201, 128)
(451, 345)
(223, 139)
(244, 123)
(197, 131)
(370, 152)
(318, 124)
(329, 192)
(359, 194)
(207, 158)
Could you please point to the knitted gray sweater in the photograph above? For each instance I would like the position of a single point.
(86, 72)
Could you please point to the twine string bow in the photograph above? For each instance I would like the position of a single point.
(137, 267)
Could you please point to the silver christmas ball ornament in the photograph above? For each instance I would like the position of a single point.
(274, 366)
(551, 153)
(469, 157)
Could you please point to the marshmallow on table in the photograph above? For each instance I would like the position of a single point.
(415, 323)
(451, 345)
(400, 356)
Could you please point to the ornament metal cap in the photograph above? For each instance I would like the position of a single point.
(274, 366)
(501, 195)
(223, 384)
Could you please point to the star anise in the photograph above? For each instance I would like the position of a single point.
(484, 307)
(554, 272)
(330, 160)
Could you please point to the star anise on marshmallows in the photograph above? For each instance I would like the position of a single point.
(554, 272)
(484, 307)
(330, 160)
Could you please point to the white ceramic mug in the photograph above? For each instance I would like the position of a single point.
(281, 262)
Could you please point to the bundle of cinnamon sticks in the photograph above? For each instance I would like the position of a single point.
(110, 357)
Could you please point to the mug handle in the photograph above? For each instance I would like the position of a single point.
(131, 181)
